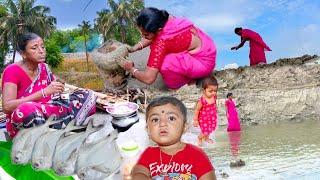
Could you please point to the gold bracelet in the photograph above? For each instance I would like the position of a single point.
(141, 45)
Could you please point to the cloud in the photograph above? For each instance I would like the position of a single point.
(217, 22)
(231, 66)
(291, 42)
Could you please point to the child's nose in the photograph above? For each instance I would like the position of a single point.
(163, 121)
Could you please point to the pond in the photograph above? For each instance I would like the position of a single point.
(287, 150)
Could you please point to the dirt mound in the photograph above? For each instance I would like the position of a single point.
(105, 59)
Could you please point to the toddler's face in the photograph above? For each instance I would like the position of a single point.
(210, 91)
(165, 124)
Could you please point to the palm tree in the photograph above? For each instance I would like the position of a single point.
(85, 28)
(3, 46)
(119, 18)
(23, 16)
(103, 23)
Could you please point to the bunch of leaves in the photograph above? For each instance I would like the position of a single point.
(53, 57)
(118, 21)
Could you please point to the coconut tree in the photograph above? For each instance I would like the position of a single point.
(85, 28)
(119, 18)
(23, 16)
(3, 46)
(103, 23)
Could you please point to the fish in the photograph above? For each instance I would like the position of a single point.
(102, 133)
(24, 141)
(45, 146)
(99, 158)
(67, 149)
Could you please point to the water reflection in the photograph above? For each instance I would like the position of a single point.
(234, 141)
(275, 151)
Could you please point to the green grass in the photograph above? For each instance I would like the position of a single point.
(75, 72)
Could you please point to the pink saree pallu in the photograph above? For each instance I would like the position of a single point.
(257, 47)
(181, 68)
(79, 106)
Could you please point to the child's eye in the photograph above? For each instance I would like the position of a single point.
(172, 118)
(154, 120)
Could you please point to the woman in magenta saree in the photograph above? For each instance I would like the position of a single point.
(257, 46)
(180, 51)
(29, 87)
(232, 114)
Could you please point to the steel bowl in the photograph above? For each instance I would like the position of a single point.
(122, 109)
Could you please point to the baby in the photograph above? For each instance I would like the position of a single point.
(171, 159)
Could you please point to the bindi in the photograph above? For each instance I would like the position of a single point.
(162, 111)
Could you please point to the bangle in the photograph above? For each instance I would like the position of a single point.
(141, 45)
(43, 94)
(134, 70)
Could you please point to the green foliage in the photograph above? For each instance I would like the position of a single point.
(73, 40)
(24, 172)
(3, 10)
(54, 57)
(118, 22)
(3, 52)
(22, 16)
(4, 47)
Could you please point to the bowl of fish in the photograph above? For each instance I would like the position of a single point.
(122, 109)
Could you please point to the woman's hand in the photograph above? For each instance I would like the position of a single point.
(235, 48)
(131, 49)
(54, 87)
(128, 65)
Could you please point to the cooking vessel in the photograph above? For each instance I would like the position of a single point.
(122, 109)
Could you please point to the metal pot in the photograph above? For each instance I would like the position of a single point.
(124, 123)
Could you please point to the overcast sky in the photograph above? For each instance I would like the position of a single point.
(290, 27)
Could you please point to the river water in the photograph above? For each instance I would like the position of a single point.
(288, 150)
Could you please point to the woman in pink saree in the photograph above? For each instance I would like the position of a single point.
(257, 45)
(232, 114)
(31, 92)
(180, 52)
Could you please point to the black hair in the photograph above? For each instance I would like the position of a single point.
(237, 30)
(152, 19)
(229, 94)
(209, 81)
(168, 100)
(24, 38)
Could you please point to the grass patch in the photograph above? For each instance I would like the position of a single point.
(76, 65)
(74, 72)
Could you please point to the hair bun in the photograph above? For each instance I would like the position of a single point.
(164, 13)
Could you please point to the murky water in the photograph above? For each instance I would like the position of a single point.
(274, 151)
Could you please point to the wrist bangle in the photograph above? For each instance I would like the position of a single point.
(141, 45)
(43, 94)
(134, 70)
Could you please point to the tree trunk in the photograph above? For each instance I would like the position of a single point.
(123, 34)
(14, 54)
(85, 44)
